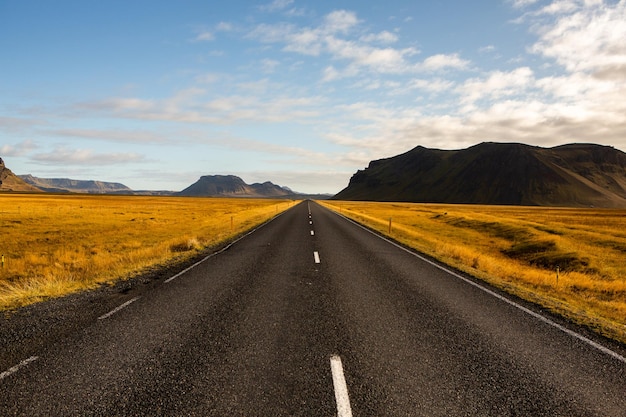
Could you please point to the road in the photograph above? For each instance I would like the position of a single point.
(309, 315)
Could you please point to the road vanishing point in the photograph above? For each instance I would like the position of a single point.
(308, 315)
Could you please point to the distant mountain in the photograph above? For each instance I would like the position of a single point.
(76, 186)
(209, 185)
(11, 182)
(233, 186)
(574, 175)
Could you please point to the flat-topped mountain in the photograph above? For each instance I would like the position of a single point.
(76, 186)
(574, 175)
(233, 186)
(206, 186)
(11, 182)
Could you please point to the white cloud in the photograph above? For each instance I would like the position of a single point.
(305, 42)
(331, 37)
(443, 61)
(267, 33)
(268, 66)
(296, 12)
(559, 7)
(254, 87)
(204, 36)
(523, 3)
(340, 21)
(276, 5)
(377, 59)
(260, 103)
(117, 104)
(208, 78)
(436, 85)
(19, 149)
(497, 85)
(330, 74)
(66, 156)
(582, 101)
(111, 135)
(592, 40)
(384, 37)
(16, 124)
(224, 27)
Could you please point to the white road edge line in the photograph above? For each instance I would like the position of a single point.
(118, 308)
(225, 248)
(316, 257)
(341, 389)
(17, 367)
(538, 316)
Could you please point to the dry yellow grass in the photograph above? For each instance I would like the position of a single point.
(56, 244)
(519, 249)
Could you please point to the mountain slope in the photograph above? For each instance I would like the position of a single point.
(575, 175)
(233, 186)
(76, 186)
(11, 182)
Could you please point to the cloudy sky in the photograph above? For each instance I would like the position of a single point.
(156, 93)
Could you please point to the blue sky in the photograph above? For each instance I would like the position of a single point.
(155, 93)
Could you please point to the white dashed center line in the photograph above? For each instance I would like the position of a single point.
(316, 256)
(341, 389)
(17, 367)
(115, 310)
(312, 233)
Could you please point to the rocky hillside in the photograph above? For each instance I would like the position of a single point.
(574, 175)
(11, 182)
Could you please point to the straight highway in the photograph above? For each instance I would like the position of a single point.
(310, 315)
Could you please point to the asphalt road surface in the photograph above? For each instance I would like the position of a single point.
(310, 315)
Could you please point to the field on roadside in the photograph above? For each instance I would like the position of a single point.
(56, 244)
(571, 261)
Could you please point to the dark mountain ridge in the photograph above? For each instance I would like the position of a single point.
(574, 175)
(233, 186)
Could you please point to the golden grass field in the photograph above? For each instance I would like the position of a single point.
(519, 249)
(57, 244)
